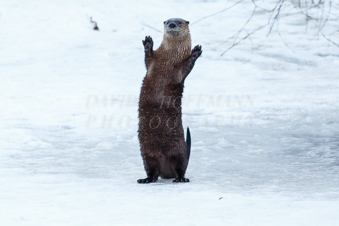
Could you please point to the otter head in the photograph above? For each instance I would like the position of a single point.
(176, 27)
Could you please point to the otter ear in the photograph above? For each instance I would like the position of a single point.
(187, 22)
(164, 22)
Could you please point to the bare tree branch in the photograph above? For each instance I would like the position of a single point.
(316, 11)
(217, 12)
(329, 39)
(150, 27)
(283, 40)
(248, 35)
(278, 6)
(236, 35)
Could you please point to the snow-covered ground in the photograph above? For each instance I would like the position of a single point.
(263, 117)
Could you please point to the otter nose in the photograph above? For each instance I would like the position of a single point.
(172, 25)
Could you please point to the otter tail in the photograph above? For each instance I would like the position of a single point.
(188, 144)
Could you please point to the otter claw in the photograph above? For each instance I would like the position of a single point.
(146, 180)
(148, 43)
(181, 179)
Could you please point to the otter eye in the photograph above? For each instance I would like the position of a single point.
(179, 22)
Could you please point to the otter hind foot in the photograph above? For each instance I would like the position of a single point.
(148, 44)
(181, 179)
(196, 52)
(146, 180)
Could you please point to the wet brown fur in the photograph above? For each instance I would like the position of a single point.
(161, 135)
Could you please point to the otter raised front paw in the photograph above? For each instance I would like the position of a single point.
(148, 43)
(196, 52)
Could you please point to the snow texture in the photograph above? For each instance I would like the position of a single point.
(263, 117)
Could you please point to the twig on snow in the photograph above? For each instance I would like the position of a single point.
(95, 25)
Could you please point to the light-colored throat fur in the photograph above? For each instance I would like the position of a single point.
(175, 49)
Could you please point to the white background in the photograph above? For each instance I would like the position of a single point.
(263, 117)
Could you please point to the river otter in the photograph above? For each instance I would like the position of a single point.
(161, 136)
